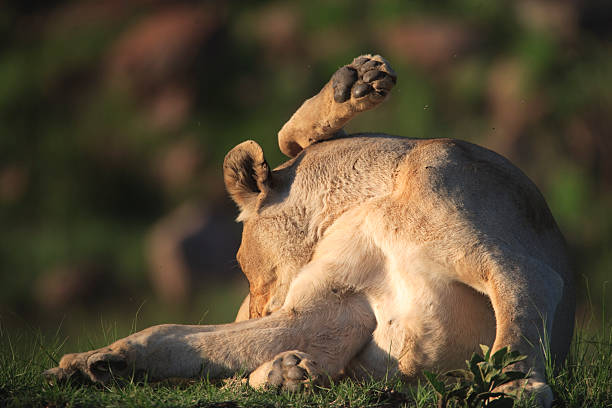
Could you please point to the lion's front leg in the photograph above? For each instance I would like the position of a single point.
(163, 351)
(329, 328)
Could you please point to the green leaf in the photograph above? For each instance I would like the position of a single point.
(474, 367)
(492, 375)
(463, 374)
(459, 393)
(480, 377)
(507, 377)
(486, 351)
(472, 396)
(476, 358)
(499, 357)
(513, 357)
(437, 385)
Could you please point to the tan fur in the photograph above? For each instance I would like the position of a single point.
(368, 255)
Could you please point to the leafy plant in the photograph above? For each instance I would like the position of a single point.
(475, 387)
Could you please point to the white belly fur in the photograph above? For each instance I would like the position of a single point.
(425, 319)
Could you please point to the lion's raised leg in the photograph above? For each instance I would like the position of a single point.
(354, 88)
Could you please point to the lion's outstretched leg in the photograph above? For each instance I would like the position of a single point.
(359, 86)
(329, 327)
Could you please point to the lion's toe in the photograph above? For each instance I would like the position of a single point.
(290, 371)
(97, 366)
(104, 366)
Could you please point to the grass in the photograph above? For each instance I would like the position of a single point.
(584, 381)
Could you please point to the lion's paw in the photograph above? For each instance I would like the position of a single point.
(540, 391)
(365, 82)
(99, 366)
(290, 370)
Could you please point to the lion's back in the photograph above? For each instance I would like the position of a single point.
(444, 177)
(441, 176)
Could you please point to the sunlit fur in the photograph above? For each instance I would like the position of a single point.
(369, 255)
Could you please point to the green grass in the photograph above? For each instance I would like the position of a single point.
(584, 381)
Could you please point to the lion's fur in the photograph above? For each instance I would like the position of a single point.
(373, 254)
(435, 213)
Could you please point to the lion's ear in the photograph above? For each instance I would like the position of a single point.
(246, 174)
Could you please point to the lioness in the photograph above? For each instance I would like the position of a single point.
(368, 254)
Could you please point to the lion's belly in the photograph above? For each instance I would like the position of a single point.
(425, 321)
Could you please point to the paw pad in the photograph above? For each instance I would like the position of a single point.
(292, 371)
(365, 76)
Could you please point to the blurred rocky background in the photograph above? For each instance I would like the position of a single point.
(115, 117)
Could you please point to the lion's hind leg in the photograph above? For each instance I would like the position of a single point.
(525, 293)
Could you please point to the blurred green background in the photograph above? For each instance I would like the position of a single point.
(115, 117)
